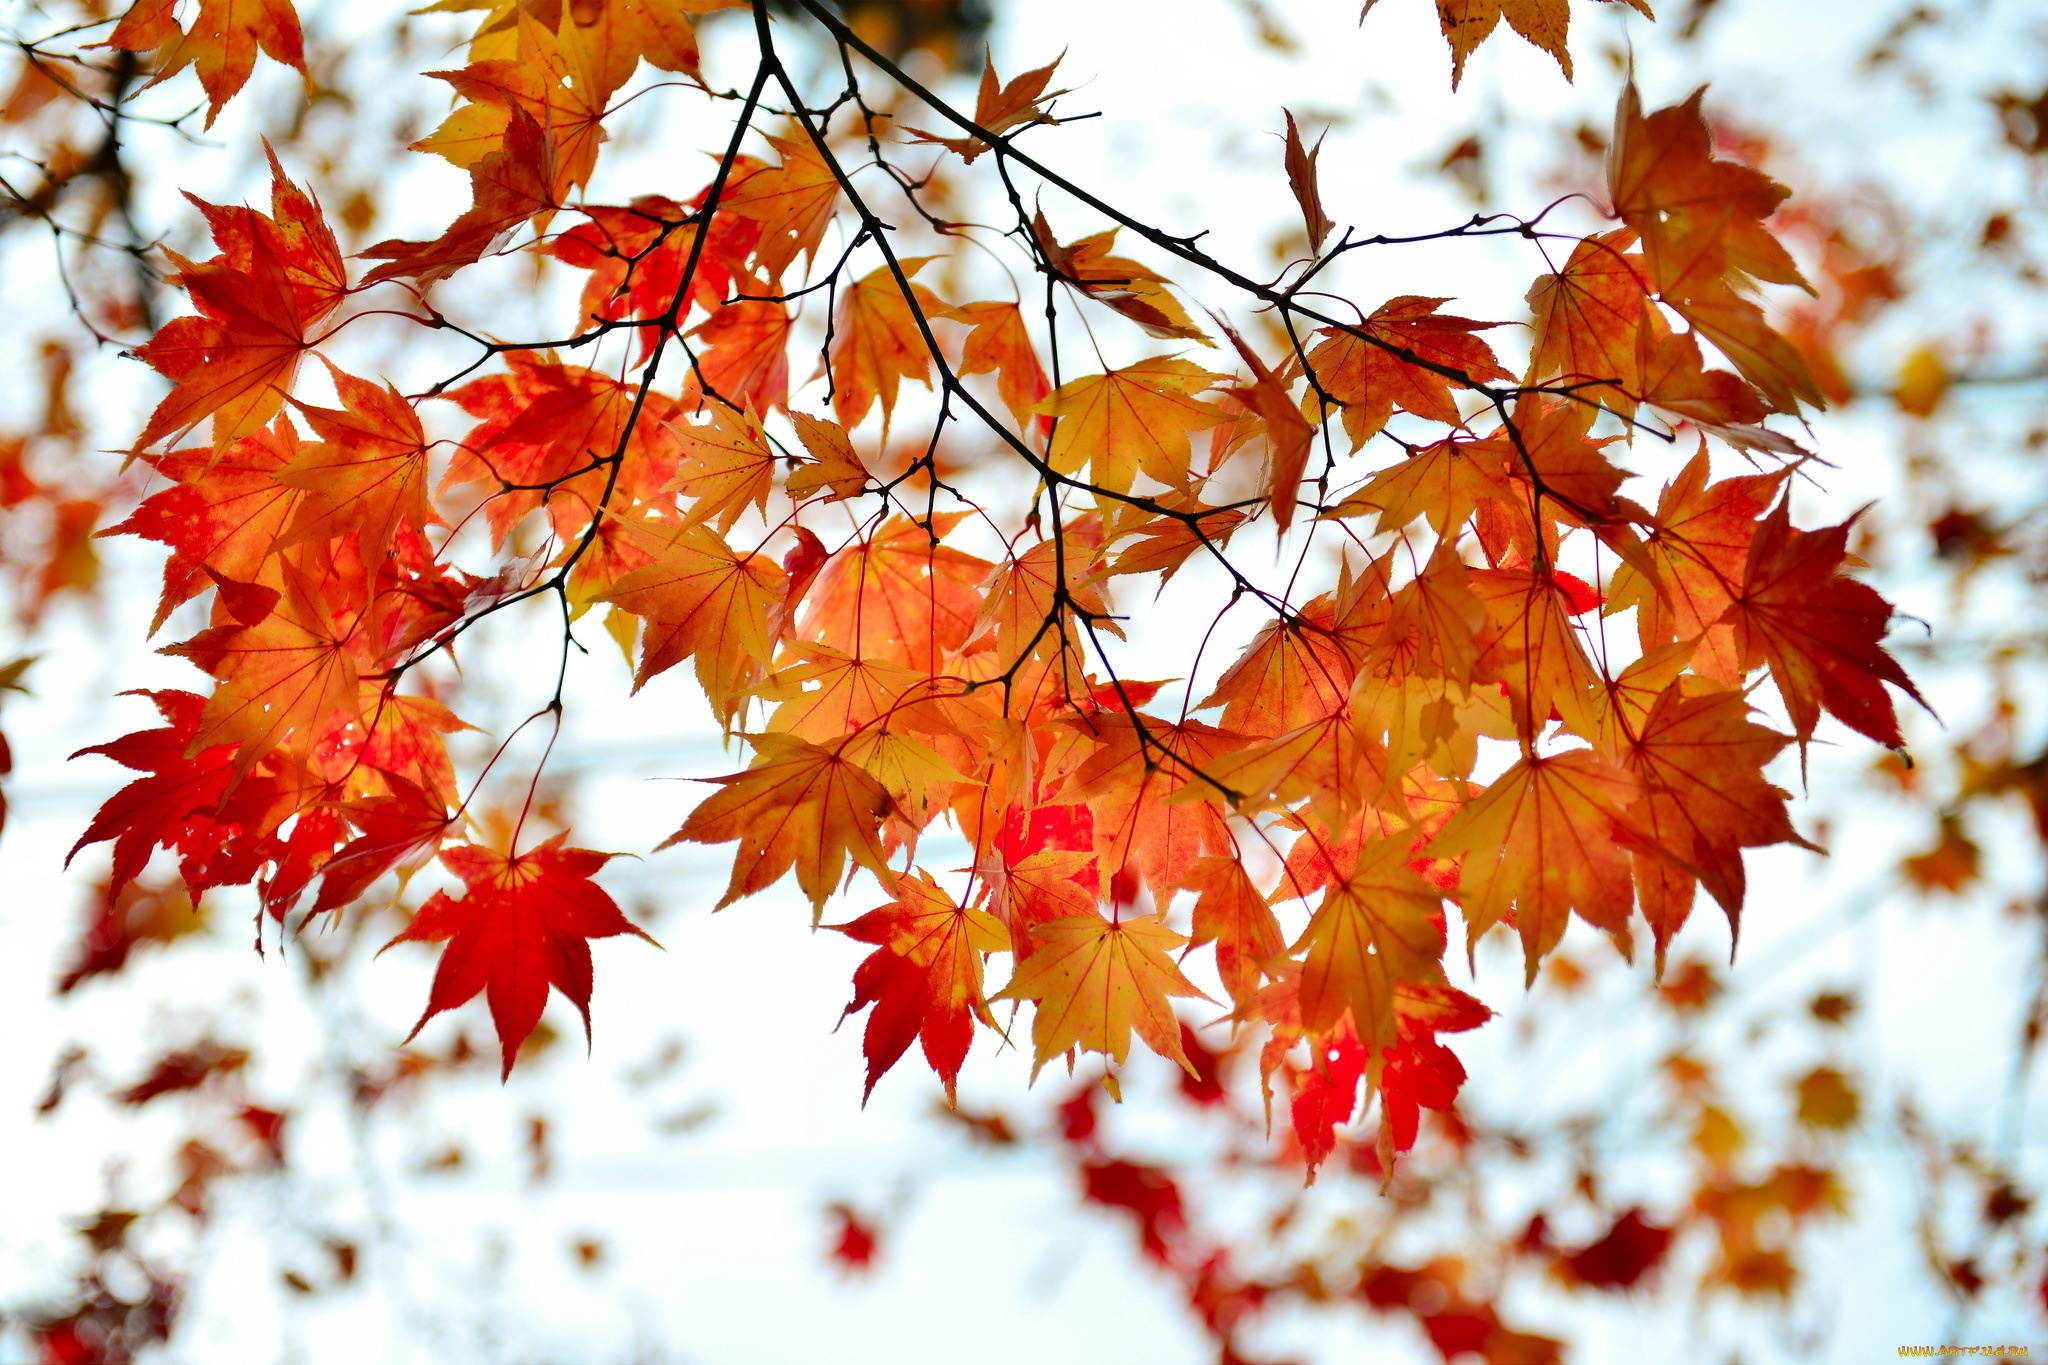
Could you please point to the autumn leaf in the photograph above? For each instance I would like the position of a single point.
(1587, 318)
(924, 979)
(224, 512)
(1131, 419)
(1000, 106)
(1546, 838)
(220, 45)
(1397, 364)
(899, 594)
(1818, 629)
(1289, 436)
(792, 201)
(152, 810)
(746, 356)
(1699, 760)
(726, 468)
(797, 805)
(1231, 913)
(1379, 925)
(877, 341)
(701, 598)
(235, 362)
(835, 468)
(1097, 980)
(1001, 344)
(367, 476)
(282, 673)
(522, 924)
(1301, 181)
(1117, 282)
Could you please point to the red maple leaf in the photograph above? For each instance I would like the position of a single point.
(523, 924)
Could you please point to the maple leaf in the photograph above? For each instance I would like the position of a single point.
(1131, 419)
(1587, 317)
(835, 468)
(1699, 760)
(877, 341)
(1163, 544)
(368, 474)
(522, 924)
(1547, 837)
(924, 979)
(547, 82)
(1301, 181)
(220, 46)
(152, 810)
(1095, 980)
(1532, 649)
(395, 832)
(1373, 377)
(1379, 925)
(1289, 437)
(1033, 602)
(793, 202)
(1000, 106)
(1818, 630)
(510, 186)
(1697, 548)
(1700, 220)
(727, 466)
(899, 594)
(1698, 216)
(223, 513)
(1442, 483)
(701, 597)
(797, 805)
(1230, 912)
(1326, 1092)
(235, 362)
(1292, 673)
(1145, 783)
(1117, 282)
(285, 667)
(1001, 343)
(609, 39)
(747, 357)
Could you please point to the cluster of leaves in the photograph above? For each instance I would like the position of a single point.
(897, 678)
(1433, 707)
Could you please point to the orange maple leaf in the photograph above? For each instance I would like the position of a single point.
(224, 512)
(701, 597)
(1131, 419)
(877, 342)
(898, 595)
(1095, 981)
(1372, 378)
(1001, 343)
(285, 667)
(793, 202)
(1547, 837)
(1379, 925)
(220, 46)
(1704, 798)
(275, 277)
(797, 805)
(367, 476)
(727, 466)
(1000, 106)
